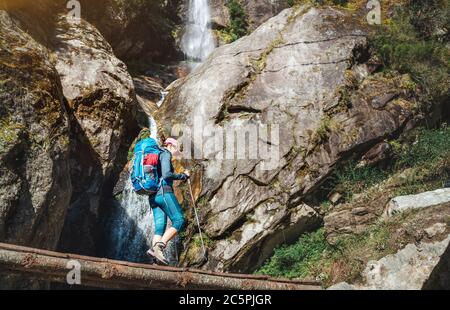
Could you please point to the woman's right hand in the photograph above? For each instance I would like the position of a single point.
(185, 175)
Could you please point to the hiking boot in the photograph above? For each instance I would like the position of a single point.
(158, 252)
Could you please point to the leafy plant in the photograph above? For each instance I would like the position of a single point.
(313, 257)
(298, 259)
(238, 20)
(415, 41)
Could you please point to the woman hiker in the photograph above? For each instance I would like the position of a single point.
(164, 204)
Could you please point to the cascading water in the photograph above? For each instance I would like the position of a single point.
(198, 41)
(129, 228)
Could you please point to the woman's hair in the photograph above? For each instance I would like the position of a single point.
(144, 134)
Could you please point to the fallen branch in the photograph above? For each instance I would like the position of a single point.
(104, 273)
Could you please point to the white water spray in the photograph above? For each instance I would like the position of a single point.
(198, 41)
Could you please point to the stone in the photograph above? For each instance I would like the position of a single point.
(343, 286)
(100, 95)
(148, 88)
(134, 35)
(220, 17)
(415, 267)
(436, 229)
(35, 185)
(335, 197)
(375, 155)
(422, 200)
(291, 72)
(259, 11)
(408, 269)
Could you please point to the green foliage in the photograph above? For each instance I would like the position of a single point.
(430, 147)
(352, 179)
(414, 42)
(298, 259)
(428, 150)
(313, 257)
(238, 21)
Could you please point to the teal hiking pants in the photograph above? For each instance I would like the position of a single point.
(166, 206)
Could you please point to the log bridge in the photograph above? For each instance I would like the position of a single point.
(96, 272)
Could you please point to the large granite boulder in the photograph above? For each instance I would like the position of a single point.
(136, 30)
(35, 186)
(304, 81)
(259, 11)
(100, 94)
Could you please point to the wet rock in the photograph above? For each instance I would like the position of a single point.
(148, 88)
(295, 72)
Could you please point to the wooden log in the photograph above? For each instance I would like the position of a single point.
(105, 273)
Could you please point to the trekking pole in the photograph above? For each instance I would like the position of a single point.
(196, 218)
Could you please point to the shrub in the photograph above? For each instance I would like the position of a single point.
(312, 257)
(427, 149)
(238, 20)
(298, 259)
(414, 42)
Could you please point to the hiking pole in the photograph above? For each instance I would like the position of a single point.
(197, 219)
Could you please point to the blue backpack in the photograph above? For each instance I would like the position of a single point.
(144, 175)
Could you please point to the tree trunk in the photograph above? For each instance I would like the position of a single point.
(104, 273)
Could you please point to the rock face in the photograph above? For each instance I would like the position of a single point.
(220, 18)
(305, 77)
(412, 268)
(136, 30)
(421, 257)
(354, 217)
(407, 269)
(100, 94)
(35, 186)
(259, 11)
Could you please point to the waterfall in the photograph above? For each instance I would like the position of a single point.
(198, 41)
(130, 229)
(164, 93)
(153, 127)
